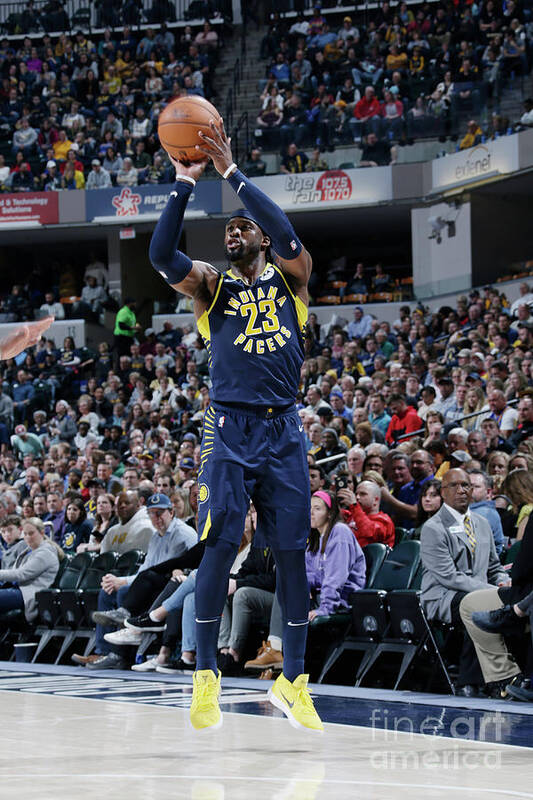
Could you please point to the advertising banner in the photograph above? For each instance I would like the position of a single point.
(332, 189)
(123, 202)
(484, 160)
(39, 207)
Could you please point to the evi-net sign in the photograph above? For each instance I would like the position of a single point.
(485, 160)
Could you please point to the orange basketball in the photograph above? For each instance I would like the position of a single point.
(179, 123)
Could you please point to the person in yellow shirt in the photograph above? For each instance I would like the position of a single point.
(62, 146)
(72, 178)
(473, 135)
(395, 60)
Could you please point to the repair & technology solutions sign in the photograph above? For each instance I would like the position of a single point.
(41, 207)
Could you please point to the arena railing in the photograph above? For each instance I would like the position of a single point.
(456, 422)
(16, 19)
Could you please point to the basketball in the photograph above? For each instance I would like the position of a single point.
(179, 123)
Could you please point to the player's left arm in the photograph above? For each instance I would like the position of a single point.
(294, 259)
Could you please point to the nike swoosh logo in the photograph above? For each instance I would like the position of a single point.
(241, 184)
(286, 700)
(300, 428)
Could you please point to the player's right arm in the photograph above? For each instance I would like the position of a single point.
(196, 279)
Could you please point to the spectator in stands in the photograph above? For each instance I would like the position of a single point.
(77, 529)
(14, 545)
(134, 529)
(254, 166)
(51, 308)
(34, 569)
(472, 137)
(24, 139)
(360, 327)
(404, 419)
(376, 152)
(72, 178)
(366, 115)
(360, 510)
(98, 178)
(294, 161)
(448, 540)
(170, 539)
(127, 175)
(429, 503)
(505, 416)
(93, 300)
(404, 501)
(483, 504)
(335, 563)
(23, 181)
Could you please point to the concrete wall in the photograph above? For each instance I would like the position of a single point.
(442, 267)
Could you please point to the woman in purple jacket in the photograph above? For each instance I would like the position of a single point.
(334, 561)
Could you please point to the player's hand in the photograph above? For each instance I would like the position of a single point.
(217, 147)
(25, 336)
(192, 170)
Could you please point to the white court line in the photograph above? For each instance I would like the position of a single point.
(131, 704)
(262, 779)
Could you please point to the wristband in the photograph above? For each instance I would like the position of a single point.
(186, 178)
(229, 170)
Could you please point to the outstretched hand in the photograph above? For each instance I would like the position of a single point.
(193, 170)
(217, 147)
(25, 336)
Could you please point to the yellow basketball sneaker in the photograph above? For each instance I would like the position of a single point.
(205, 712)
(295, 702)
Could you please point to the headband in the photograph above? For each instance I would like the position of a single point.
(323, 496)
(245, 214)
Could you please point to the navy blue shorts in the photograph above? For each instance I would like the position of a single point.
(259, 456)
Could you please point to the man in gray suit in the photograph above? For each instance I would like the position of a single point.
(458, 557)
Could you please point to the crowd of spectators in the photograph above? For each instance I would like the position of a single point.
(398, 419)
(77, 112)
(395, 72)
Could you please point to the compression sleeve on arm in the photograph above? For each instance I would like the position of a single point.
(269, 216)
(165, 257)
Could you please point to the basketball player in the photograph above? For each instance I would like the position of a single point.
(251, 319)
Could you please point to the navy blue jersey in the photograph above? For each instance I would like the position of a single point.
(254, 337)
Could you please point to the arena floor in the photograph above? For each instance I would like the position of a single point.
(66, 734)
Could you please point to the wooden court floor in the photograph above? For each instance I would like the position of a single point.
(63, 737)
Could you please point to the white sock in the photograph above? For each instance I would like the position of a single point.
(187, 660)
(154, 619)
(275, 643)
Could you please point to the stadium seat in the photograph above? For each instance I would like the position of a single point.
(512, 553)
(409, 635)
(77, 605)
(370, 620)
(375, 554)
(48, 603)
(399, 535)
(400, 567)
(81, 18)
(355, 298)
(129, 562)
(329, 300)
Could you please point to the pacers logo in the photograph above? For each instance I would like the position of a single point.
(203, 493)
